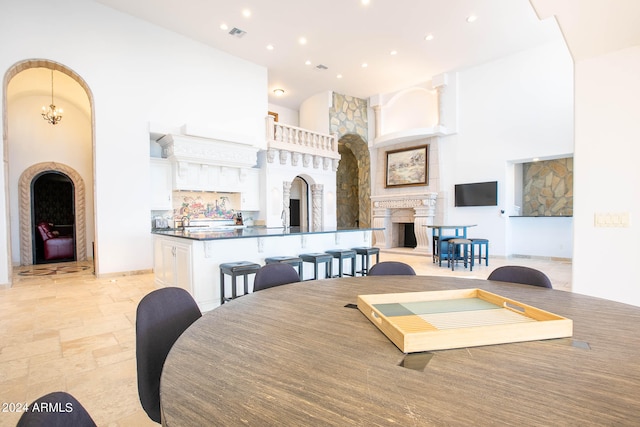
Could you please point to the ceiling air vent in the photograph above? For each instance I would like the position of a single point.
(321, 67)
(237, 32)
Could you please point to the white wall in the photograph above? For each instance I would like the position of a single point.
(314, 113)
(138, 74)
(607, 175)
(511, 109)
(412, 108)
(32, 141)
(286, 116)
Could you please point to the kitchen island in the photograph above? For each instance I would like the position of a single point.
(190, 258)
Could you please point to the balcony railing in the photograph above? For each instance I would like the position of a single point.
(298, 140)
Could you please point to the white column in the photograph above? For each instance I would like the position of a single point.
(286, 204)
(317, 191)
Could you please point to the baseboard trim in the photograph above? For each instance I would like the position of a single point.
(123, 274)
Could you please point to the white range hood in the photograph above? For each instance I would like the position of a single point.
(208, 164)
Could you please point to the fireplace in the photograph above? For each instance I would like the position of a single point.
(404, 235)
(397, 215)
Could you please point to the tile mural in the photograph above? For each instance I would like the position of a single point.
(204, 205)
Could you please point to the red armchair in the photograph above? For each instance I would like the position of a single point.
(55, 246)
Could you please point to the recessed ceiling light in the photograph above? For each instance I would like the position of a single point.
(224, 27)
(428, 37)
(472, 18)
(393, 52)
(278, 92)
(365, 65)
(339, 76)
(270, 47)
(302, 40)
(246, 13)
(365, 2)
(307, 62)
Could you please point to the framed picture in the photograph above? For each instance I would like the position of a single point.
(407, 166)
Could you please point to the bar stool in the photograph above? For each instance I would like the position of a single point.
(341, 255)
(441, 245)
(292, 260)
(480, 242)
(235, 269)
(365, 253)
(454, 249)
(317, 258)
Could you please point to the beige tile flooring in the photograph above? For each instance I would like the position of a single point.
(75, 332)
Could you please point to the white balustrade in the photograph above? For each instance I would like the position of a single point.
(298, 140)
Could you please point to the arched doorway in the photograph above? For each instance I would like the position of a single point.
(353, 194)
(52, 202)
(32, 147)
(347, 191)
(27, 219)
(299, 203)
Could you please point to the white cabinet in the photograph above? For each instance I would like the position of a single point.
(161, 188)
(250, 191)
(172, 265)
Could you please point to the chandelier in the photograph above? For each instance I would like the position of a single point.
(52, 114)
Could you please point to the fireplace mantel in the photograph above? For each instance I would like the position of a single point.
(416, 208)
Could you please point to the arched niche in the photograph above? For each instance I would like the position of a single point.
(25, 226)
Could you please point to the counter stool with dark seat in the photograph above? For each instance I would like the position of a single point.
(341, 255)
(365, 253)
(440, 248)
(480, 242)
(318, 258)
(291, 260)
(459, 249)
(235, 269)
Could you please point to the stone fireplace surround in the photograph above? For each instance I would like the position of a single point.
(390, 211)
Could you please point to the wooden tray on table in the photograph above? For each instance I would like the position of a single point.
(437, 320)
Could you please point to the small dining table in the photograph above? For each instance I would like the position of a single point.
(302, 355)
(437, 235)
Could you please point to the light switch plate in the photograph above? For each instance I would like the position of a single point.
(612, 219)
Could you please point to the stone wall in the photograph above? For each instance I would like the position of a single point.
(548, 188)
(349, 120)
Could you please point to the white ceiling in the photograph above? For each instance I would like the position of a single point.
(344, 34)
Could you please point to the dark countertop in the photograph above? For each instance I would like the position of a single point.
(249, 232)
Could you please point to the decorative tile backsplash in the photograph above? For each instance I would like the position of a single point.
(204, 205)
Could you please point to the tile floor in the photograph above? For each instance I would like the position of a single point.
(61, 328)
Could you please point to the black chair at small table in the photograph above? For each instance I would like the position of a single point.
(476, 241)
(458, 250)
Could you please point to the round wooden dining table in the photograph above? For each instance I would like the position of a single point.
(302, 355)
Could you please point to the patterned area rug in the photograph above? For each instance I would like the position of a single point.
(51, 270)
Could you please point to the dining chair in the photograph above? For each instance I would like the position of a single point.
(275, 274)
(162, 316)
(57, 409)
(520, 274)
(390, 268)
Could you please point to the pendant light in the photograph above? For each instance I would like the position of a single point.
(52, 114)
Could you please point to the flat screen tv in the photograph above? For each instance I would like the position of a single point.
(477, 194)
